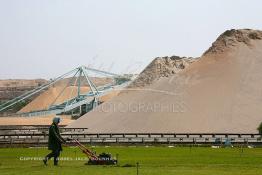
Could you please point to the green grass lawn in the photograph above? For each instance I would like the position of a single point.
(152, 160)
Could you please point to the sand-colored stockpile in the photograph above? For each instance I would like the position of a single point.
(51, 96)
(43, 120)
(219, 93)
(109, 96)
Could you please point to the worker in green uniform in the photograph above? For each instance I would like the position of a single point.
(54, 142)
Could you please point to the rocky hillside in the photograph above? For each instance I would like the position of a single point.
(161, 67)
(233, 37)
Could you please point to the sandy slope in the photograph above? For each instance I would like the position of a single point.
(45, 99)
(222, 92)
(43, 120)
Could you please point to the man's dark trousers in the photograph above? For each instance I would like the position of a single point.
(55, 154)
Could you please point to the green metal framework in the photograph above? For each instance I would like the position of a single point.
(89, 99)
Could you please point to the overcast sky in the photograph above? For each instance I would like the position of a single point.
(43, 39)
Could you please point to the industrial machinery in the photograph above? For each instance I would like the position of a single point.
(82, 102)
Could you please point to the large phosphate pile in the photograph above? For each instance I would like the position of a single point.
(221, 92)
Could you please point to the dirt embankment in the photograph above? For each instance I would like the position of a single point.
(41, 120)
(12, 88)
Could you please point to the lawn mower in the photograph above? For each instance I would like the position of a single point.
(101, 159)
